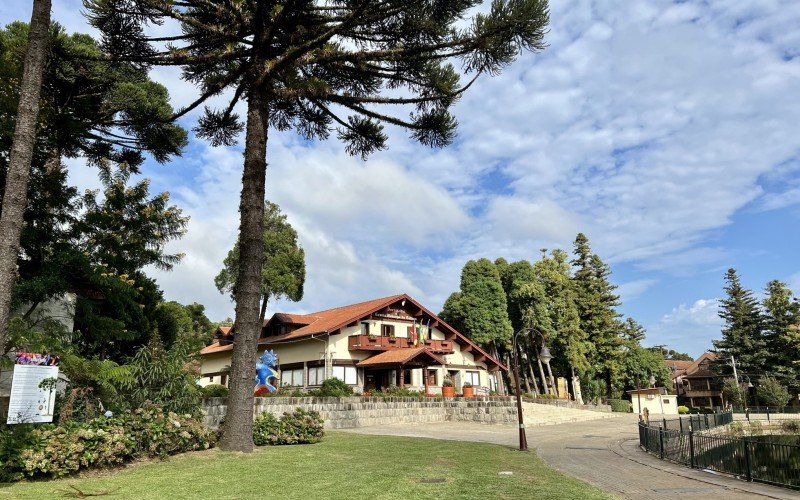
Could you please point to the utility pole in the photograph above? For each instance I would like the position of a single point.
(735, 375)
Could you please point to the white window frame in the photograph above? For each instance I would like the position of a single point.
(473, 376)
(346, 374)
(292, 378)
(316, 375)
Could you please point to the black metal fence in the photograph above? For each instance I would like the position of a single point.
(755, 458)
(769, 413)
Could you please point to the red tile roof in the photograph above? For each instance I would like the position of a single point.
(216, 347)
(401, 357)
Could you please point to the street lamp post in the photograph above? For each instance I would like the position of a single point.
(523, 439)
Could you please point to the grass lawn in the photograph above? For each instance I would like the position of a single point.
(342, 466)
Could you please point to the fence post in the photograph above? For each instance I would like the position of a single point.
(661, 442)
(680, 423)
(691, 448)
(747, 463)
(665, 423)
(706, 417)
(767, 413)
(715, 420)
(647, 439)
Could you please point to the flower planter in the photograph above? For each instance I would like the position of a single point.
(469, 392)
(449, 392)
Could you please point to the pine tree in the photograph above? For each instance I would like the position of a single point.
(571, 347)
(313, 67)
(742, 333)
(596, 303)
(632, 333)
(782, 334)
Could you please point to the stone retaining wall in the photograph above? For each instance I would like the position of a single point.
(565, 403)
(350, 412)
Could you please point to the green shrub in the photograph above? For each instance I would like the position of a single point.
(791, 426)
(333, 388)
(546, 396)
(215, 391)
(756, 429)
(397, 392)
(299, 427)
(13, 441)
(736, 429)
(110, 441)
(620, 405)
(683, 410)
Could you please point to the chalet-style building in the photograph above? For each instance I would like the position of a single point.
(696, 383)
(392, 341)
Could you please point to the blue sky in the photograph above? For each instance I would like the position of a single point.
(666, 131)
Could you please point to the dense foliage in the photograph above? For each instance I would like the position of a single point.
(283, 272)
(298, 427)
(333, 388)
(620, 405)
(214, 391)
(568, 306)
(148, 431)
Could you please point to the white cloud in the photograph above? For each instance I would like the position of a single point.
(689, 328)
(631, 289)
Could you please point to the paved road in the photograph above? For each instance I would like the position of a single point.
(601, 452)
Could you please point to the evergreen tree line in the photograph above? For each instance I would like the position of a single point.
(570, 306)
(762, 338)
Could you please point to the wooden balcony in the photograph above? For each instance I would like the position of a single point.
(367, 343)
(702, 393)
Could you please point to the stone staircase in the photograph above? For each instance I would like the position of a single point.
(542, 414)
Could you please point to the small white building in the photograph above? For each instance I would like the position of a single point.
(655, 399)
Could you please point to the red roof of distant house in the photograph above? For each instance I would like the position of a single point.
(331, 320)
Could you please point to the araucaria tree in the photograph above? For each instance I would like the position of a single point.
(15, 195)
(283, 272)
(782, 334)
(315, 67)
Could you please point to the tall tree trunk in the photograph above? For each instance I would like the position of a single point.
(501, 389)
(608, 383)
(532, 374)
(15, 196)
(238, 428)
(263, 310)
(577, 393)
(545, 385)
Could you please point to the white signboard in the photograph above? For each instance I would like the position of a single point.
(28, 403)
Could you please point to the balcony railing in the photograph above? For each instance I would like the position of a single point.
(376, 343)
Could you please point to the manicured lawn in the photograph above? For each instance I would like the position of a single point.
(342, 466)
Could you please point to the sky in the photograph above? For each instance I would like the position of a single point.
(667, 132)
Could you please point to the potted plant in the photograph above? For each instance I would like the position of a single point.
(372, 337)
(469, 391)
(448, 387)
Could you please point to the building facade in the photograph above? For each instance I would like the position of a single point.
(373, 345)
(698, 385)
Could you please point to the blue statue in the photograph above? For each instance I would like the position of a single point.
(264, 371)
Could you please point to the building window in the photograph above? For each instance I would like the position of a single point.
(666, 401)
(364, 328)
(292, 378)
(347, 374)
(316, 375)
(387, 330)
(492, 382)
(432, 377)
(473, 378)
(407, 376)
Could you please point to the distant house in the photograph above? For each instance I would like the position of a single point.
(655, 400)
(696, 383)
(372, 345)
